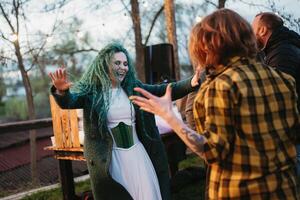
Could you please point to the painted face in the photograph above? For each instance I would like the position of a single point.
(259, 39)
(119, 68)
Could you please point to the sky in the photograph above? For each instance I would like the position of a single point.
(96, 21)
(111, 21)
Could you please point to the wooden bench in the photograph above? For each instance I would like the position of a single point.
(67, 146)
(66, 134)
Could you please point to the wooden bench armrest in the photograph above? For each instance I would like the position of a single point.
(75, 149)
(67, 153)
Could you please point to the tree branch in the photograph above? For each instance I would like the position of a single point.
(7, 58)
(51, 7)
(212, 3)
(153, 22)
(7, 18)
(255, 4)
(126, 7)
(16, 6)
(35, 57)
(82, 50)
(5, 38)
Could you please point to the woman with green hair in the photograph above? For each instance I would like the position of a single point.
(125, 156)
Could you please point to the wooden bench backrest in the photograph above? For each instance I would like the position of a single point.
(65, 126)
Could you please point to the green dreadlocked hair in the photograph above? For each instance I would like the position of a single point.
(96, 80)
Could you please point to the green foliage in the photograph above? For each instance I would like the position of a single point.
(83, 186)
(39, 85)
(192, 160)
(4, 193)
(16, 108)
(54, 194)
(68, 46)
(2, 88)
(2, 109)
(42, 105)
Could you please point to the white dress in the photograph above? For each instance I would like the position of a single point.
(131, 167)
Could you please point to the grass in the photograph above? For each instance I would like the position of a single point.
(192, 191)
(190, 161)
(56, 194)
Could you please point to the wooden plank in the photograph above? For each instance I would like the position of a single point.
(54, 148)
(56, 122)
(74, 128)
(25, 125)
(73, 157)
(66, 128)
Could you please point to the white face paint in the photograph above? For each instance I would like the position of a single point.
(119, 68)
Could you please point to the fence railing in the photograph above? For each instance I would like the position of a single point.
(31, 126)
(25, 125)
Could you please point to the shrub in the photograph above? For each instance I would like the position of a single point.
(16, 108)
(42, 105)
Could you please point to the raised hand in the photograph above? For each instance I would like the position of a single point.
(161, 106)
(196, 77)
(59, 79)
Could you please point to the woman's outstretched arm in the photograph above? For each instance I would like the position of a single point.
(162, 106)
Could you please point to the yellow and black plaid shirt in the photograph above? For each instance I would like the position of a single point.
(247, 113)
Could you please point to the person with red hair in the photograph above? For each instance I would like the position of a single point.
(245, 113)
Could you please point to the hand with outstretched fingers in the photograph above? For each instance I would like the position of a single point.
(161, 106)
(59, 79)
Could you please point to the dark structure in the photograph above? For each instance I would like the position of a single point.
(159, 63)
(160, 68)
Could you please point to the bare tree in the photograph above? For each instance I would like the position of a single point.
(221, 3)
(272, 6)
(171, 33)
(139, 44)
(15, 28)
(14, 15)
(157, 14)
(16, 7)
(139, 47)
(290, 20)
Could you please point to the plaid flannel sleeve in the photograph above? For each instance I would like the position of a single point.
(219, 124)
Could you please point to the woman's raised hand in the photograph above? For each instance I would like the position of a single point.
(59, 79)
(161, 106)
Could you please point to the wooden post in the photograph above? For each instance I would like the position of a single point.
(66, 179)
(33, 160)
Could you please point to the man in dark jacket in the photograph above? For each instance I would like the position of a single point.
(281, 50)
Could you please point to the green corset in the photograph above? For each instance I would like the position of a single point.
(123, 135)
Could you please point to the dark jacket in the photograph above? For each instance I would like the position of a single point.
(97, 150)
(282, 52)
